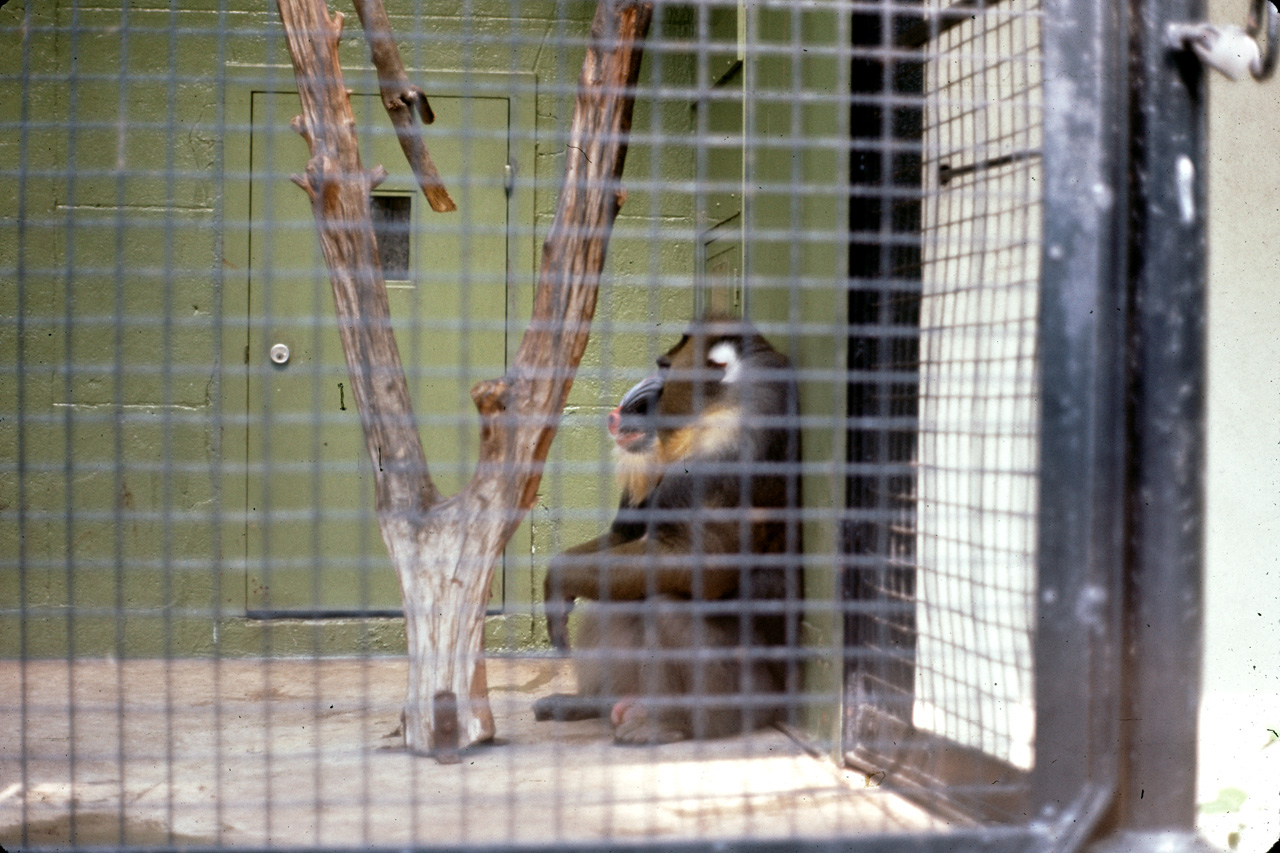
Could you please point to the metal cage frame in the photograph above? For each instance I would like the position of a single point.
(1121, 361)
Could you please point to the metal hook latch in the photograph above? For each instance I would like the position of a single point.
(1231, 49)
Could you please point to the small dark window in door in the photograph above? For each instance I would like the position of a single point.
(392, 217)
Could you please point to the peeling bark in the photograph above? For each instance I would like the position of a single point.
(444, 551)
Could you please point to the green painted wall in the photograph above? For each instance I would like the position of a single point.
(118, 234)
(124, 230)
(797, 259)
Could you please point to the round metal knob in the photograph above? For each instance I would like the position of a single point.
(280, 353)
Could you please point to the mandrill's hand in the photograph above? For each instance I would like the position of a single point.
(558, 604)
(575, 573)
(558, 622)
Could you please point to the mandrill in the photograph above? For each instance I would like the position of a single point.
(695, 587)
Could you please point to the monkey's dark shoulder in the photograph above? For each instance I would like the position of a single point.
(631, 522)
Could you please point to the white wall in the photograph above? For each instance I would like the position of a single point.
(1242, 636)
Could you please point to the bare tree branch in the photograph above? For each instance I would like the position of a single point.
(339, 187)
(574, 251)
(402, 98)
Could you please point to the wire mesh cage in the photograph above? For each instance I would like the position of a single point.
(804, 446)
(945, 515)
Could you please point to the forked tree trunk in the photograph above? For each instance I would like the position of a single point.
(444, 550)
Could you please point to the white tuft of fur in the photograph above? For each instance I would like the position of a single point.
(719, 431)
(725, 354)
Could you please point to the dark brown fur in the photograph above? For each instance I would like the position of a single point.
(672, 646)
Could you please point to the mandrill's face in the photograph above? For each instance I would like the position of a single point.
(632, 423)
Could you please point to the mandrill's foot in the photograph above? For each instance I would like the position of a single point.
(568, 707)
(635, 725)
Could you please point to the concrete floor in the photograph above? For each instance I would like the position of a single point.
(288, 753)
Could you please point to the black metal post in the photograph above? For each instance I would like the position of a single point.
(1082, 346)
(1164, 606)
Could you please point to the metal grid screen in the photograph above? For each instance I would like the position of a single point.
(202, 638)
(944, 408)
(978, 450)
